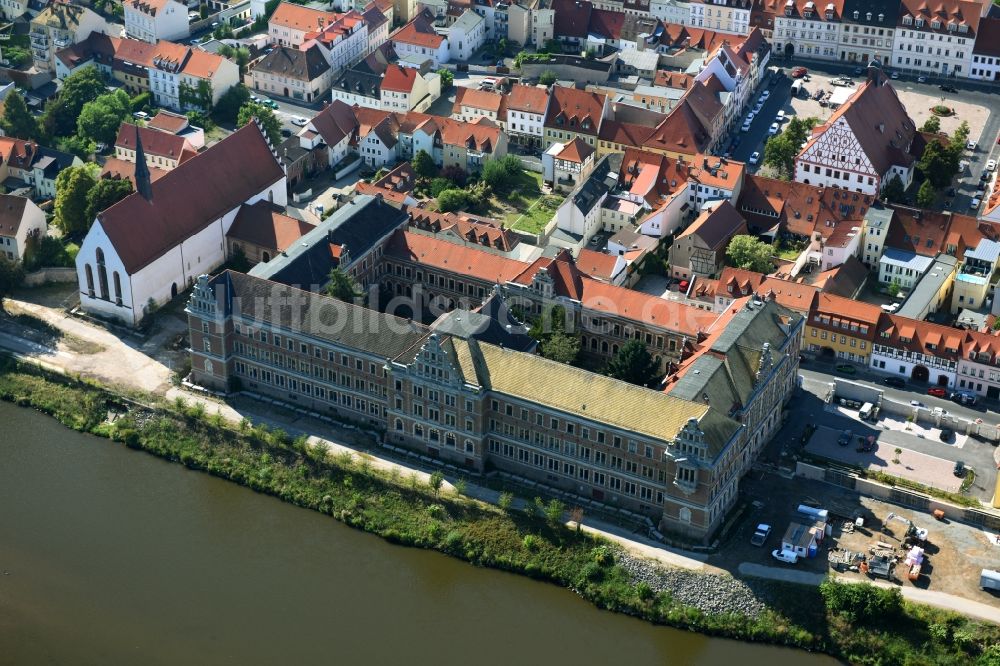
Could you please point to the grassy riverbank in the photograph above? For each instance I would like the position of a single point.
(406, 511)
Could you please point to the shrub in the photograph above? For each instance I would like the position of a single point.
(861, 602)
(602, 556)
(530, 542)
(451, 200)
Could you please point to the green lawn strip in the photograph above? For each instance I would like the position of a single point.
(403, 510)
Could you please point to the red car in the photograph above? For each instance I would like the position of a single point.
(937, 392)
(798, 72)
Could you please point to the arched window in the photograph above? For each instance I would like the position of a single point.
(90, 280)
(118, 288)
(265, 257)
(399, 425)
(102, 275)
(685, 514)
(208, 367)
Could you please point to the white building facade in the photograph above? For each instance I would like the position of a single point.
(153, 20)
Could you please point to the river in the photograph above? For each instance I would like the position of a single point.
(112, 556)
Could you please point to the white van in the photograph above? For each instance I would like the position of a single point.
(866, 411)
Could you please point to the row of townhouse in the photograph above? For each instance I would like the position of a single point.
(179, 77)
(671, 456)
(949, 38)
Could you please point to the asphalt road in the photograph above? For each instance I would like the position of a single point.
(754, 139)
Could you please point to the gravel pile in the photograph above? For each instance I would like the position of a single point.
(710, 593)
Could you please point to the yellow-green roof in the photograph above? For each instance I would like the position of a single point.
(586, 394)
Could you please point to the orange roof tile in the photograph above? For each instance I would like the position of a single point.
(298, 17)
(464, 260)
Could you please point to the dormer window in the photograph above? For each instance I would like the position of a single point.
(857, 14)
(952, 27)
(881, 17)
(963, 28)
(868, 16)
(920, 23)
(936, 24)
(907, 20)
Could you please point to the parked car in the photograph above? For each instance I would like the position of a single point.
(991, 165)
(845, 369)
(937, 392)
(761, 534)
(974, 203)
(946, 434)
(780, 117)
(786, 556)
(921, 79)
(755, 157)
(736, 142)
(140, 115)
(971, 145)
(895, 382)
(951, 191)
(798, 72)
(959, 469)
(916, 403)
(895, 76)
(845, 438)
(948, 88)
(271, 103)
(299, 121)
(858, 71)
(774, 129)
(285, 132)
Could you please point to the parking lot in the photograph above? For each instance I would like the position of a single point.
(955, 552)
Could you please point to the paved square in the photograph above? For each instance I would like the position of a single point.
(914, 466)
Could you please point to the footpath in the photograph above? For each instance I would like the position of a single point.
(118, 363)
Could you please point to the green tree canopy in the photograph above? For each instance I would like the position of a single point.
(502, 174)
(750, 253)
(17, 121)
(447, 78)
(452, 200)
(227, 110)
(73, 184)
(894, 190)
(932, 124)
(238, 54)
(561, 347)
(423, 165)
(634, 364)
(547, 78)
(106, 193)
(341, 286)
(272, 128)
(781, 150)
(100, 119)
(11, 274)
(926, 195)
(938, 164)
(82, 86)
(439, 185)
(862, 602)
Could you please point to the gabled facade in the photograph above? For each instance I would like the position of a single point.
(864, 144)
(153, 20)
(291, 23)
(21, 222)
(59, 26)
(419, 39)
(936, 38)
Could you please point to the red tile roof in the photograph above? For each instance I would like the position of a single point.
(191, 197)
(471, 228)
(150, 7)
(680, 132)
(668, 79)
(419, 32)
(530, 99)
(905, 334)
(575, 110)
(607, 24)
(597, 265)
(158, 144)
(399, 79)
(165, 121)
(116, 168)
(442, 254)
(572, 17)
(715, 227)
(478, 99)
(576, 150)
(265, 225)
(297, 17)
(929, 233)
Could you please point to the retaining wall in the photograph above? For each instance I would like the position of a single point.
(46, 275)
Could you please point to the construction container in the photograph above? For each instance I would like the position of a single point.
(989, 579)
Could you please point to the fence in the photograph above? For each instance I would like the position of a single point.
(47, 275)
(900, 496)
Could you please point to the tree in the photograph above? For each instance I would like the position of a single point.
(926, 195)
(11, 274)
(439, 185)
(423, 165)
(82, 86)
(341, 286)
(862, 602)
(227, 109)
(72, 187)
(17, 55)
(932, 125)
(893, 289)
(561, 347)
(501, 175)
(938, 164)
(452, 200)
(105, 194)
(633, 364)
(272, 128)
(898, 451)
(750, 253)
(506, 500)
(436, 481)
(547, 78)
(894, 190)
(100, 119)
(238, 54)
(781, 150)
(554, 512)
(17, 121)
(447, 78)
(80, 146)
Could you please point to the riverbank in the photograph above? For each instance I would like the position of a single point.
(406, 510)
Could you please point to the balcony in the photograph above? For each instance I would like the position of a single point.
(39, 39)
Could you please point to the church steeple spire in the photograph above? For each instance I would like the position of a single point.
(143, 181)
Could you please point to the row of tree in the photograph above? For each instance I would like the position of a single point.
(781, 149)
